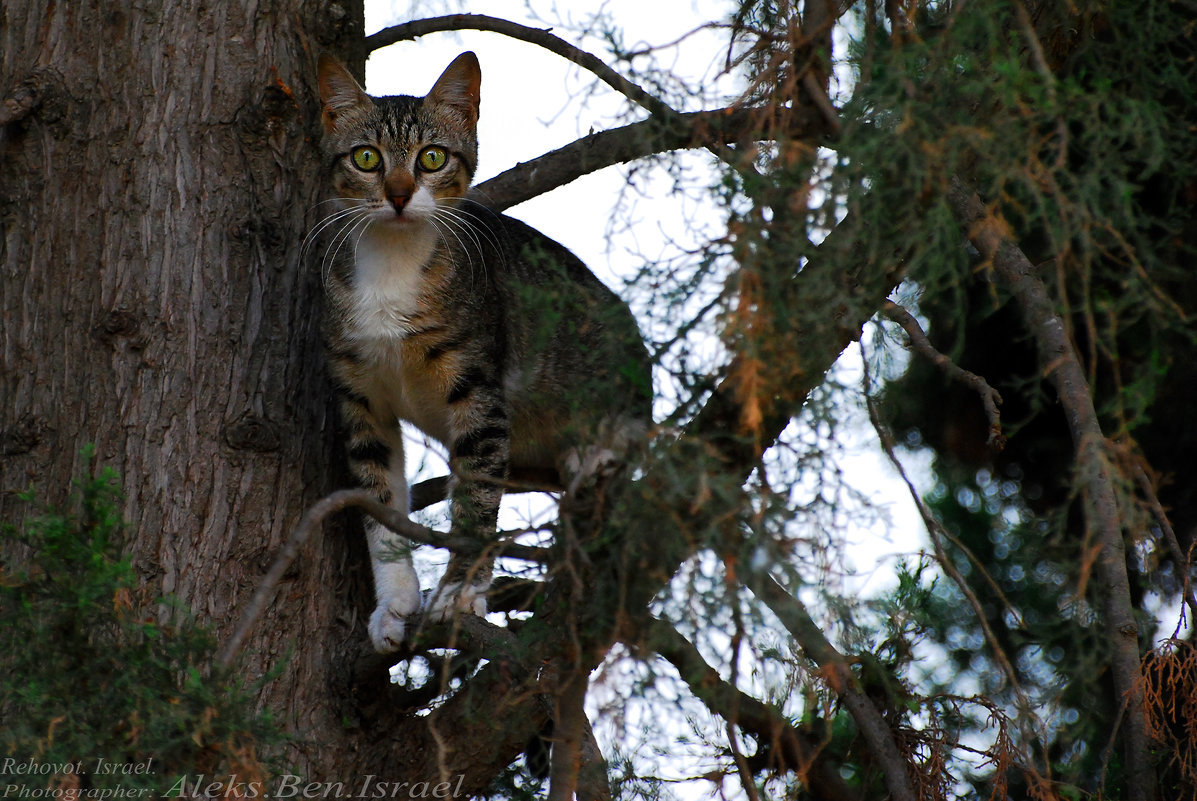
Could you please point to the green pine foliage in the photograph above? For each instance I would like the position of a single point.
(1082, 140)
(97, 689)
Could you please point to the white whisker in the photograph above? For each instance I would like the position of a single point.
(359, 216)
(455, 226)
(476, 222)
(461, 222)
(442, 227)
(360, 234)
(453, 217)
(354, 232)
(314, 234)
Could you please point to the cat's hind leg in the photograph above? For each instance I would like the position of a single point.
(610, 445)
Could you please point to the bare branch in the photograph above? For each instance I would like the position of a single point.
(922, 345)
(666, 130)
(537, 36)
(428, 492)
(1059, 359)
(591, 153)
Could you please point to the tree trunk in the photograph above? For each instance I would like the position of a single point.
(158, 170)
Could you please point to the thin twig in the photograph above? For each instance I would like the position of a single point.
(938, 533)
(746, 779)
(922, 345)
(650, 49)
(1183, 564)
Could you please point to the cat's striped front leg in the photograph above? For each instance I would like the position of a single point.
(375, 450)
(479, 457)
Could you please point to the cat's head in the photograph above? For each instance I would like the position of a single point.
(398, 157)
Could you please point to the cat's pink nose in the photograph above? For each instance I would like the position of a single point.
(399, 186)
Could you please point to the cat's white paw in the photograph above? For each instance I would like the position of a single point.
(388, 624)
(451, 599)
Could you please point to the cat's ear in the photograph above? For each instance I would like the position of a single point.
(459, 87)
(338, 90)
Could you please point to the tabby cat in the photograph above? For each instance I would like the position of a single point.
(484, 333)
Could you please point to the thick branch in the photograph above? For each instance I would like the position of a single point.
(569, 727)
(593, 784)
(1060, 361)
(537, 36)
(435, 490)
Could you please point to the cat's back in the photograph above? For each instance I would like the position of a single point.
(572, 332)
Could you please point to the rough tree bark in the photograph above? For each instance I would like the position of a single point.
(158, 170)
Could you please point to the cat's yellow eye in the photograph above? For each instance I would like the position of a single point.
(366, 159)
(433, 158)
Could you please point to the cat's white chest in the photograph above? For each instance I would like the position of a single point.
(388, 275)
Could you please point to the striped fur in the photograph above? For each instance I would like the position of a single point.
(484, 333)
